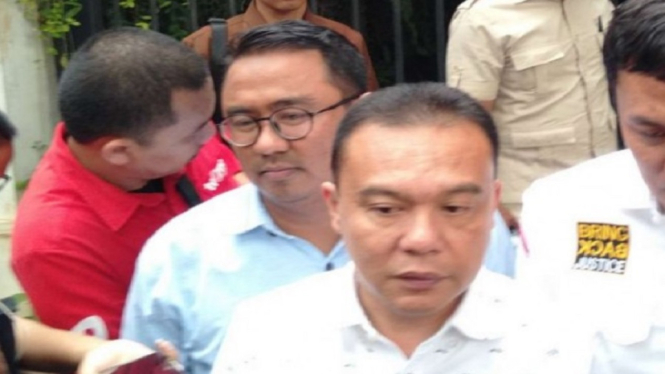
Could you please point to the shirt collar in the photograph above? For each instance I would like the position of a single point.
(486, 312)
(114, 205)
(251, 211)
(633, 194)
(253, 18)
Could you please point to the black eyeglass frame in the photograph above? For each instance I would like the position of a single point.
(275, 126)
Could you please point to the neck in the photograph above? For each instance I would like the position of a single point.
(405, 330)
(89, 158)
(272, 15)
(307, 219)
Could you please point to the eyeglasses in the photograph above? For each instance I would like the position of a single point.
(242, 130)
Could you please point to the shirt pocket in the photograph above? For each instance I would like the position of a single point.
(527, 68)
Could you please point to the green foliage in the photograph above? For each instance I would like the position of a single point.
(22, 185)
(56, 19)
(172, 16)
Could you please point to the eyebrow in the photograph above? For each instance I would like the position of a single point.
(464, 188)
(279, 104)
(643, 121)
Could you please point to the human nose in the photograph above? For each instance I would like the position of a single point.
(268, 140)
(421, 235)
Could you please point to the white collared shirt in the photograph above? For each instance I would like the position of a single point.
(597, 249)
(318, 326)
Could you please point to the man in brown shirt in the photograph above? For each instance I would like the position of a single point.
(261, 12)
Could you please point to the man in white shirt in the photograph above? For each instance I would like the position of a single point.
(596, 231)
(286, 89)
(413, 197)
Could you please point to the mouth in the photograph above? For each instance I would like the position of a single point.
(277, 172)
(419, 281)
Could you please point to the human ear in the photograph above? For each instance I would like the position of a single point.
(330, 196)
(118, 151)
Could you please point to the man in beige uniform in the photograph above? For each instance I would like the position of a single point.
(537, 66)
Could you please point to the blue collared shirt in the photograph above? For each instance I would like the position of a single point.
(195, 270)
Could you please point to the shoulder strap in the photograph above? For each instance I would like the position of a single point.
(187, 191)
(217, 52)
(7, 340)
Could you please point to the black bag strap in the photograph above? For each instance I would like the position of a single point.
(186, 189)
(217, 53)
(7, 339)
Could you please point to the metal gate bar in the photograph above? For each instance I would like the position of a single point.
(154, 15)
(193, 14)
(398, 40)
(441, 39)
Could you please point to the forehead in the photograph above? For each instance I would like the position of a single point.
(638, 92)
(422, 154)
(264, 78)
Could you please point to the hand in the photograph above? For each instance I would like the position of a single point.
(167, 350)
(117, 352)
(111, 354)
(509, 218)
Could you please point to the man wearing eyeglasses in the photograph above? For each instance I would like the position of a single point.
(286, 89)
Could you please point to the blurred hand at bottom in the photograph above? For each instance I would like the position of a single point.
(114, 353)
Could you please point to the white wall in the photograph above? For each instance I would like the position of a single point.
(8, 284)
(29, 85)
(27, 95)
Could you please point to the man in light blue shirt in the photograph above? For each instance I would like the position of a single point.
(286, 89)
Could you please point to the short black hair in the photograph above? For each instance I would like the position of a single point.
(120, 83)
(344, 62)
(412, 104)
(7, 129)
(635, 41)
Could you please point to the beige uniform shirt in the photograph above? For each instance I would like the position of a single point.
(540, 61)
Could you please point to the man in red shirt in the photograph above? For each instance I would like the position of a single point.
(261, 12)
(135, 149)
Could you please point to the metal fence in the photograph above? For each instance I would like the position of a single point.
(406, 38)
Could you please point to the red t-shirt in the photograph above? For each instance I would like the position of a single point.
(77, 237)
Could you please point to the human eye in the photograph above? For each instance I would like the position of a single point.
(453, 209)
(241, 123)
(456, 209)
(384, 210)
(293, 116)
(653, 134)
(650, 131)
